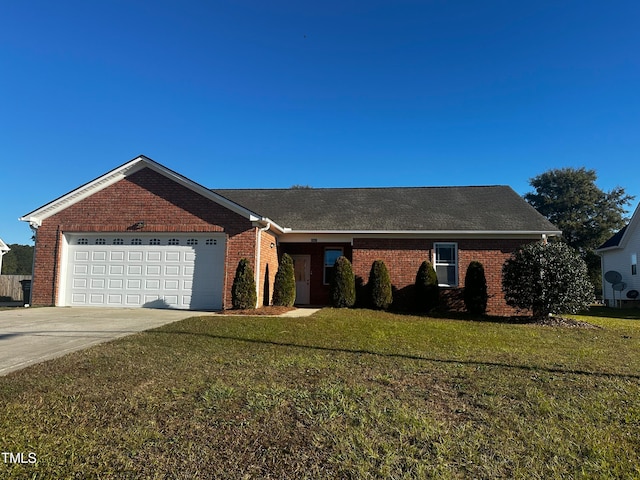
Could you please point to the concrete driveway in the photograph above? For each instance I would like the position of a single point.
(32, 335)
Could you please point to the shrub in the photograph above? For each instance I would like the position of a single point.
(284, 285)
(379, 285)
(343, 284)
(427, 292)
(243, 291)
(475, 289)
(547, 278)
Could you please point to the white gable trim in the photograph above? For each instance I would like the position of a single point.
(36, 217)
(632, 226)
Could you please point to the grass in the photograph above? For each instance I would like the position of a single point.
(341, 394)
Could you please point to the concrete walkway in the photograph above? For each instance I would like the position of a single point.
(300, 312)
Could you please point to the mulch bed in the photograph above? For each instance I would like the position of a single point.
(562, 322)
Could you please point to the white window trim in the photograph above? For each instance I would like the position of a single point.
(455, 263)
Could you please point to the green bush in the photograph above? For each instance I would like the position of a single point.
(475, 289)
(380, 293)
(547, 278)
(343, 284)
(243, 291)
(284, 285)
(427, 292)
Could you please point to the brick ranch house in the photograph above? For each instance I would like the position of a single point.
(143, 235)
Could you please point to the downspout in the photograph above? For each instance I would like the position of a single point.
(258, 248)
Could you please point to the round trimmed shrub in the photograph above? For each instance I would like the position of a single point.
(475, 289)
(547, 278)
(243, 291)
(380, 293)
(427, 292)
(284, 284)
(343, 284)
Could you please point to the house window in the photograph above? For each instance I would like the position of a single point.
(330, 257)
(446, 264)
(634, 264)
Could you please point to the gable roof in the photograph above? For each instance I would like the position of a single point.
(620, 239)
(36, 217)
(460, 210)
(495, 209)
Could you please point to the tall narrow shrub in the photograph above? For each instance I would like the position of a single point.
(343, 284)
(284, 285)
(475, 289)
(243, 291)
(427, 291)
(380, 293)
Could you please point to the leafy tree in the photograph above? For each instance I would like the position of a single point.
(547, 278)
(284, 285)
(18, 260)
(570, 199)
(587, 216)
(379, 285)
(475, 289)
(343, 284)
(243, 291)
(426, 289)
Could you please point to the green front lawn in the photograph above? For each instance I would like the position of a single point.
(341, 394)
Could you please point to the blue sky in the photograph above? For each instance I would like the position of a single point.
(337, 93)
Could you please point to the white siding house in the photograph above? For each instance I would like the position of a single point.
(3, 249)
(620, 254)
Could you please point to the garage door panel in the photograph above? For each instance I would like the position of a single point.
(81, 256)
(172, 270)
(116, 256)
(154, 256)
(116, 269)
(169, 271)
(172, 256)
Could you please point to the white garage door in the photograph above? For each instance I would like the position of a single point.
(184, 271)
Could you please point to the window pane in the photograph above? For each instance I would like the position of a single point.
(446, 274)
(330, 257)
(445, 254)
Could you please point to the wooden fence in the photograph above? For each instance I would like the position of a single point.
(10, 286)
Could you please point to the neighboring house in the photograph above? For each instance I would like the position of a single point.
(3, 249)
(620, 254)
(143, 235)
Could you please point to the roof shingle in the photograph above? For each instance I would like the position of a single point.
(482, 208)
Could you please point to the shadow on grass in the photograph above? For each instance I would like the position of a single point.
(403, 356)
(609, 312)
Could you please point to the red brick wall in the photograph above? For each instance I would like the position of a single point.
(163, 205)
(268, 267)
(404, 256)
